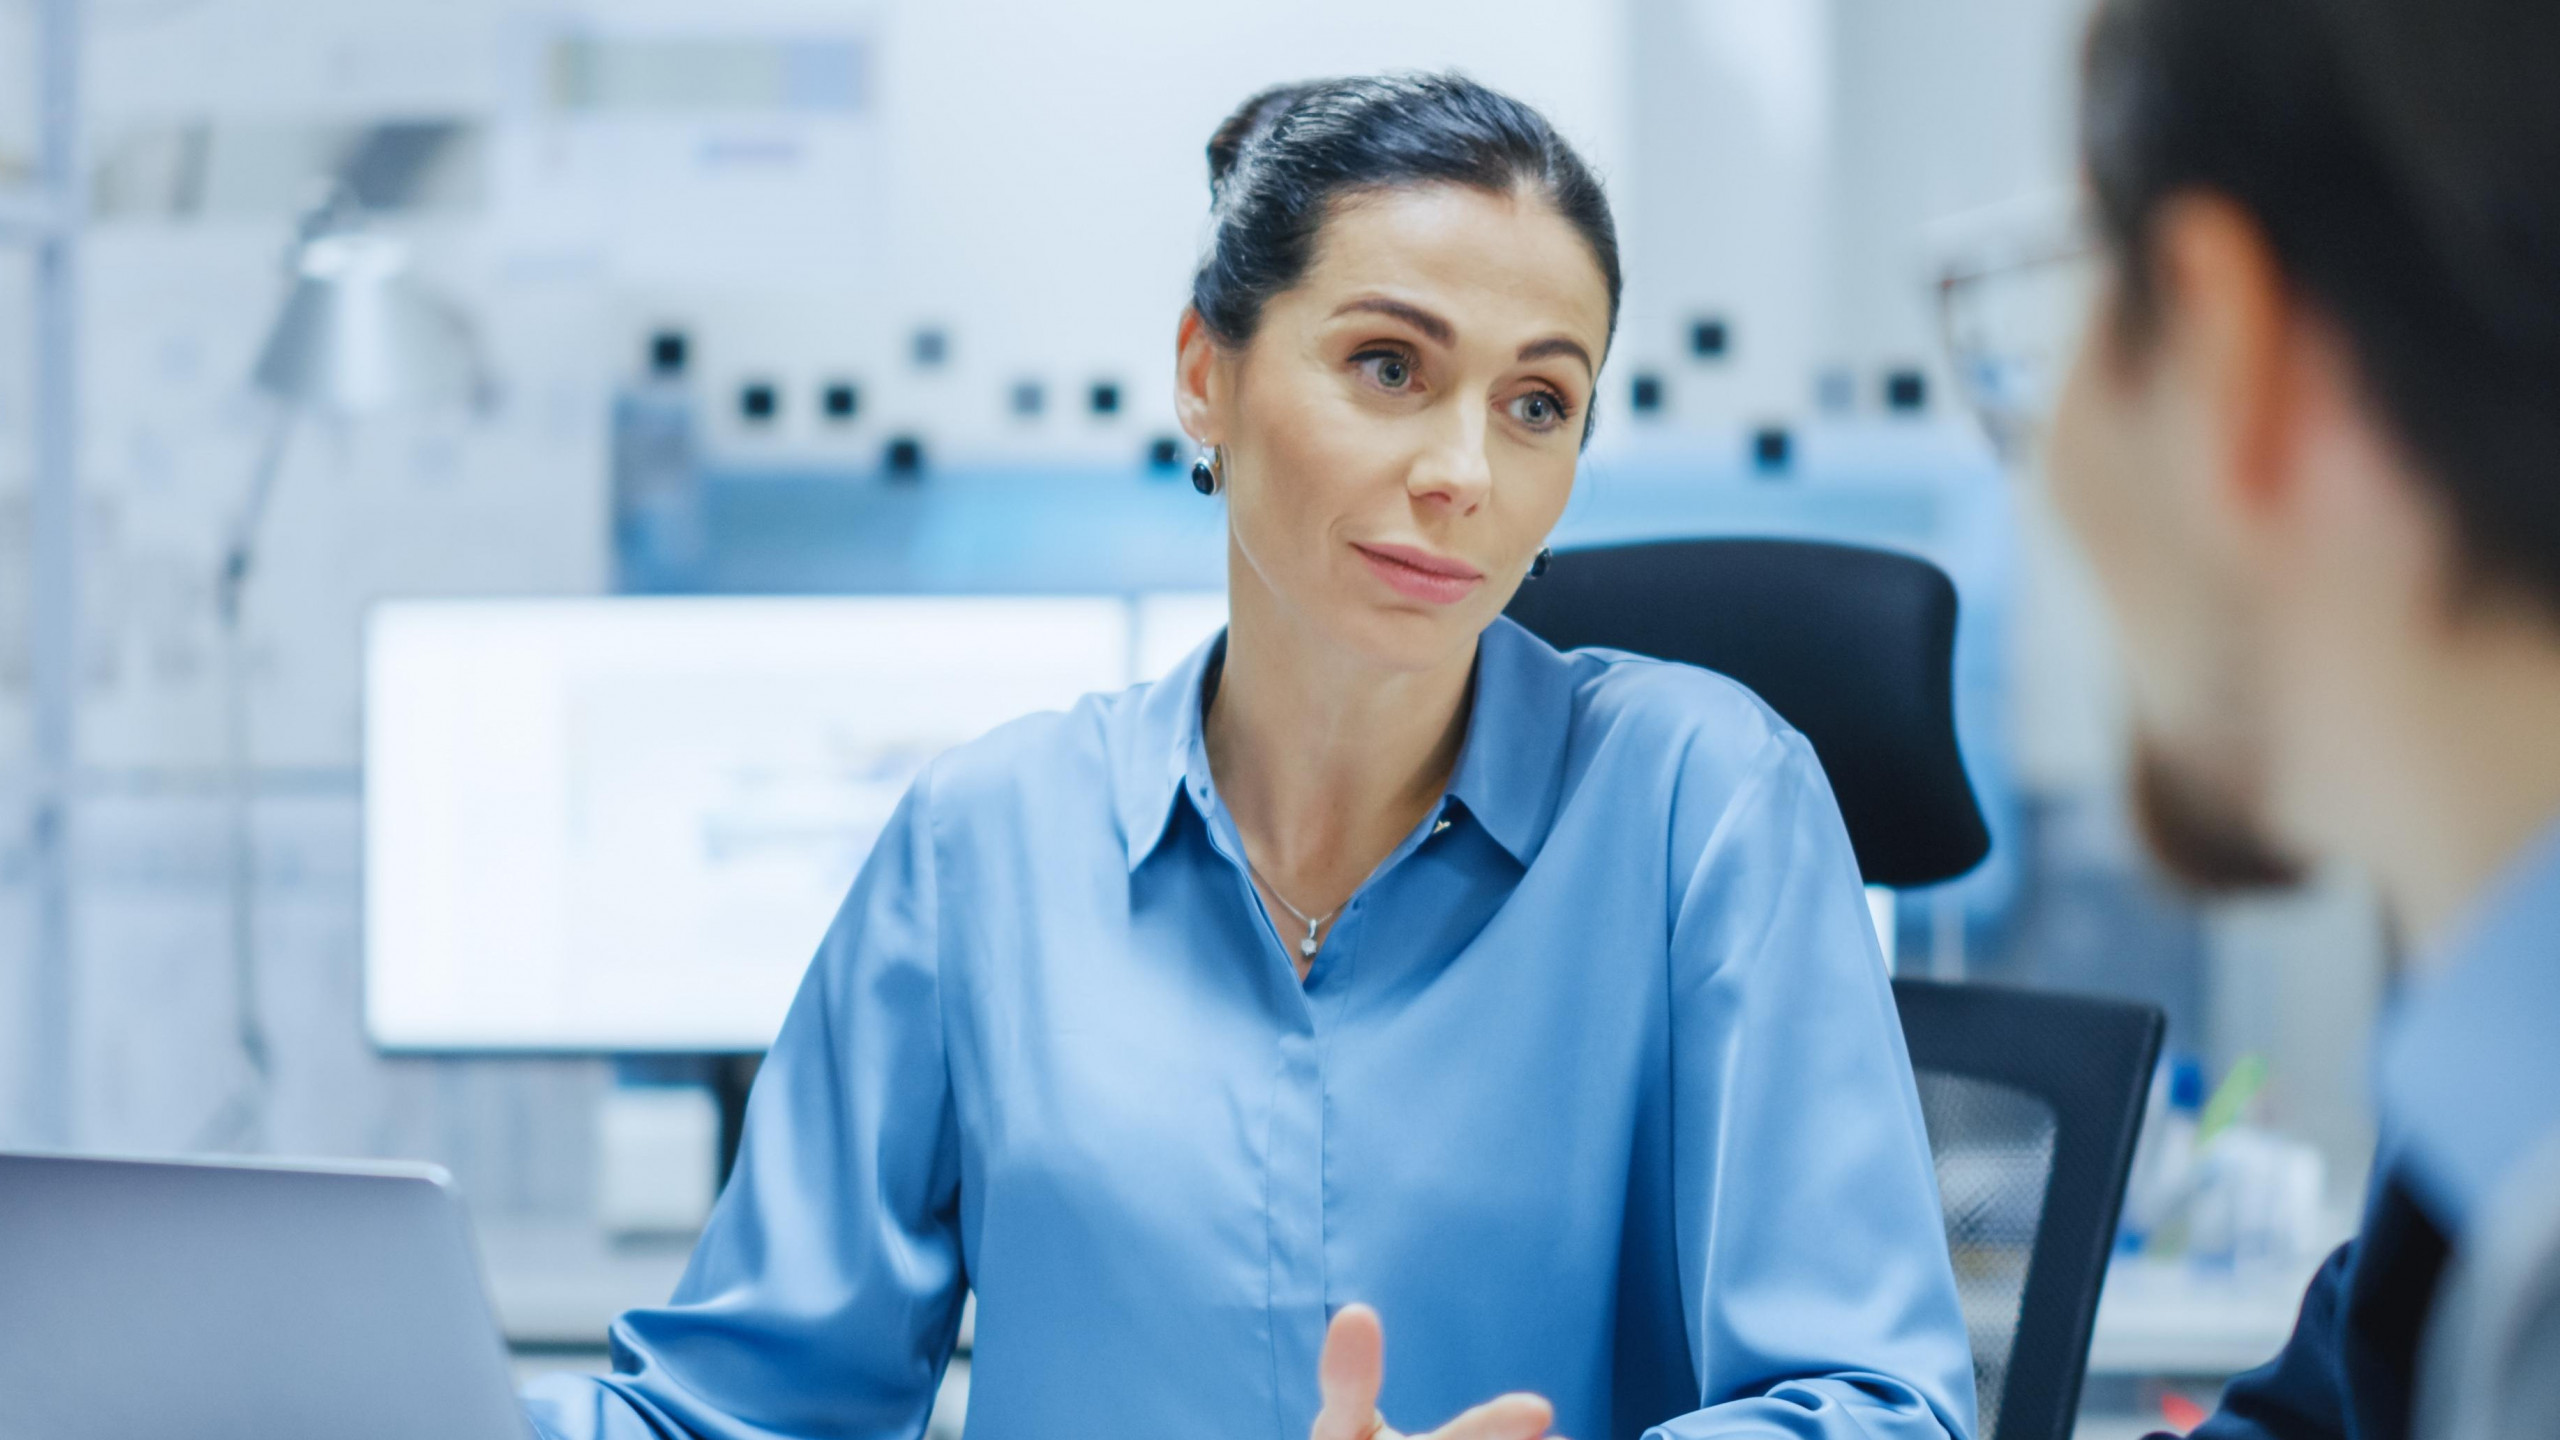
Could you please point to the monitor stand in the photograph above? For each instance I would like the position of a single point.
(720, 1077)
(730, 1077)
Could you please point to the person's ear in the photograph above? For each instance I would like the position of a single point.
(2230, 329)
(1199, 381)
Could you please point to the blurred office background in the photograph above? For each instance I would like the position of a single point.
(804, 299)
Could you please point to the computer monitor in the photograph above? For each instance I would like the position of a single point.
(622, 825)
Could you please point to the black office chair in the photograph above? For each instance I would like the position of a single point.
(1853, 646)
(2032, 1101)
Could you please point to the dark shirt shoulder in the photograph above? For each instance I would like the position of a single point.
(2348, 1371)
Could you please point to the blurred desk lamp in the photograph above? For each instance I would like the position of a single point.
(358, 335)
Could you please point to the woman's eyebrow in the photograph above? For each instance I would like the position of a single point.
(1441, 332)
(1559, 345)
(1433, 328)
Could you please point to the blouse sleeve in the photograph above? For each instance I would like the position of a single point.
(824, 1296)
(1813, 1263)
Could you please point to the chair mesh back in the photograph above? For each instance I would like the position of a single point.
(1994, 1151)
(2033, 1100)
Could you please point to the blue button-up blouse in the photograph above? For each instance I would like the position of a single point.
(1595, 1089)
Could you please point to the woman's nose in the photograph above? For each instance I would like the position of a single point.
(1454, 470)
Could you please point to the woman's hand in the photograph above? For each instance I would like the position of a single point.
(1353, 1365)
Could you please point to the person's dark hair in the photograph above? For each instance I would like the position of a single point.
(1281, 161)
(2403, 160)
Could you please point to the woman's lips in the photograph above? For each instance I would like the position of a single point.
(1419, 574)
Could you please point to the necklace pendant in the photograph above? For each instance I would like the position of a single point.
(1307, 947)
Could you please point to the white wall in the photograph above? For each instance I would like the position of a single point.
(1942, 109)
(1031, 180)
(1729, 218)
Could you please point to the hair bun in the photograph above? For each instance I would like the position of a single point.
(1278, 164)
(1251, 119)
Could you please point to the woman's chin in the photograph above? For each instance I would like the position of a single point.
(1402, 637)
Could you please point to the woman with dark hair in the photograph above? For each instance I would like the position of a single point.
(1380, 963)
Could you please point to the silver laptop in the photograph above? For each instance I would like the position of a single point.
(286, 1302)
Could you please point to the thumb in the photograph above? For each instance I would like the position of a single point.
(1349, 1373)
(1505, 1417)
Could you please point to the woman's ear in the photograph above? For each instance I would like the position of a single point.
(1199, 380)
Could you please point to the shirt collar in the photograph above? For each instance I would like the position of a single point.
(1152, 751)
(1510, 772)
(1508, 777)
(2466, 1074)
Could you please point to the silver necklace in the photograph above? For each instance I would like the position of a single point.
(1306, 947)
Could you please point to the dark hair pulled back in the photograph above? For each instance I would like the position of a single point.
(2402, 158)
(1277, 165)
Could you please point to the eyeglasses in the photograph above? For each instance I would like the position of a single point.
(2011, 316)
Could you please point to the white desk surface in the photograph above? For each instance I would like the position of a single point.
(559, 1286)
(2169, 1318)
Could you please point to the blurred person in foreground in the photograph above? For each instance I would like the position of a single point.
(2312, 447)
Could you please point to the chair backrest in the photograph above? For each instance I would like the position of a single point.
(2033, 1101)
(1852, 646)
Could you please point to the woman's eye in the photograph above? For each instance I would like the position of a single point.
(1387, 368)
(1538, 410)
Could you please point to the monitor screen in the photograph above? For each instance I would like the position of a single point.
(622, 825)
(1170, 625)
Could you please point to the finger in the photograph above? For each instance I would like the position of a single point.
(1504, 1417)
(1348, 1375)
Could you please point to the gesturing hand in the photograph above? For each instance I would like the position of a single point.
(1353, 1365)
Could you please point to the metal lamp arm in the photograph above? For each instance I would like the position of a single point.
(240, 542)
(240, 1124)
